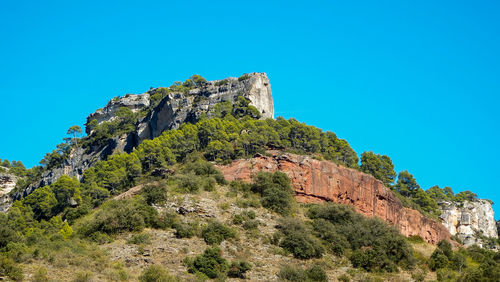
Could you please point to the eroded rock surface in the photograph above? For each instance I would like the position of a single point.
(469, 220)
(320, 181)
(172, 111)
(7, 184)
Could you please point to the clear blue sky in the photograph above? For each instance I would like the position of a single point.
(416, 80)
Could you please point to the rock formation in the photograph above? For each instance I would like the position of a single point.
(169, 113)
(469, 220)
(319, 181)
(7, 184)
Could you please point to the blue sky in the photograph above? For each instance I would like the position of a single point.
(415, 80)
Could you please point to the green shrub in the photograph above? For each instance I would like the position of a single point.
(316, 273)
(83, 277)
(118, 216)
(292, 273)
(375, 245)
(9, 268)
(296, 240)
(245, 76)
(204, 168)
(237, 269)
(154, 194)
(188, 183)
(372, 260)
(251, 224)
(40, 275)
(249, 214)
(238, 219)
(209, 263)
(186, 230)
(216, 232)
(441, 256)
(141, 238)
(276, 191)
(156, 273)
(325, 230)
(100, 238)
(344, 278)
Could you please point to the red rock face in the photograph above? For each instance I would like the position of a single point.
(317, 181)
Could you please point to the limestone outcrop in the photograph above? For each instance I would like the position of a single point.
(318, 181)
(178, 108)
(470, 221)
(173, 110)
(7, 184)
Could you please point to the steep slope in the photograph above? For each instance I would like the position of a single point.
(319, 181)
(173, 109)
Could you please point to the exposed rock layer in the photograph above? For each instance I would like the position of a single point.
(469, 220)
(7, 184)
(320, 181)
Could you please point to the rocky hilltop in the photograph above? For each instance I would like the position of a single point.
(170, 112)
(469, 220)
(320, 181)
(178, 108)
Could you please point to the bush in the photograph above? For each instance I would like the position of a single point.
(344, 278)
(372, 260)
(296, 273)
(238, 269)
(40, 275)
(209, 263)
(9, 268)
(204, 168)
(83, 277)
(216, 232)
(154, 194)
(316, 273)
(118, 216)
(141, 238)
(276, 191)
(296, 240)
(375, 245)
(251, 224)
(292, 273)
(238, 219)
(186, 230)
(245, 76)
(156, 273)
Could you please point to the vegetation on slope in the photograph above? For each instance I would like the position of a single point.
(70, 218)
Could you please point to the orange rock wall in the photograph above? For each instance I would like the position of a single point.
(317, 181)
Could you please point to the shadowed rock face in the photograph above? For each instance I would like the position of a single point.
(172, 111)
(319, 181)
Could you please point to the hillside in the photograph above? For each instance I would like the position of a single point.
(197, 181)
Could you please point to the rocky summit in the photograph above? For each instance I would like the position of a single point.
(172, 110)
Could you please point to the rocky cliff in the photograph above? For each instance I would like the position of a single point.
(320, 181)
(7, 184)
(170, 112)
(469, 220)
(178, 108)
